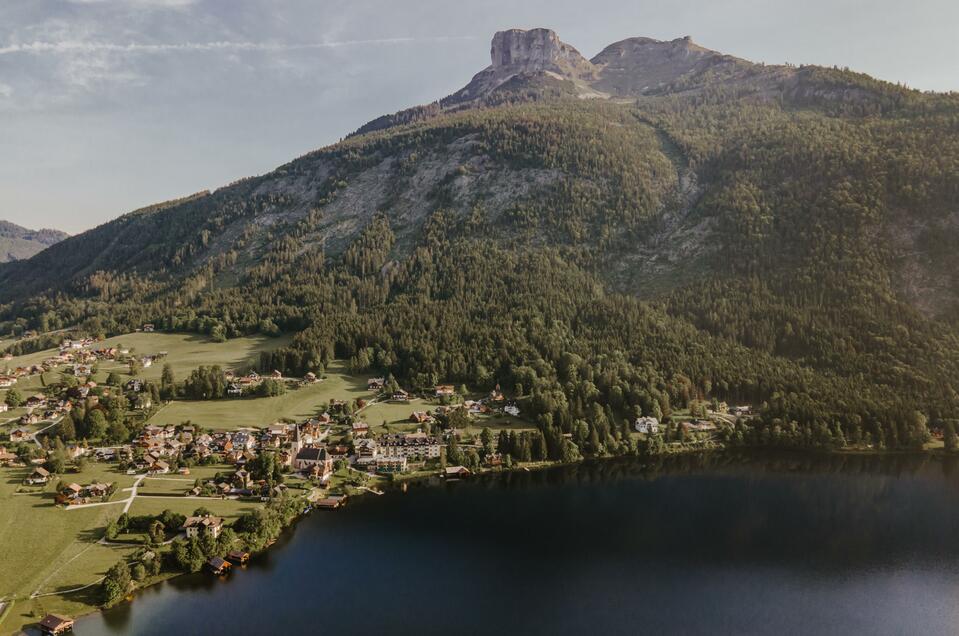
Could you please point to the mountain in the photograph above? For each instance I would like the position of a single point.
(657, 225)
(17, 242)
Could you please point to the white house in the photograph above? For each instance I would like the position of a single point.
(647, 425)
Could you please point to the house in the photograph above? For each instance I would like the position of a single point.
(276, 375)
(158, 467)
(55, 624)
(7, 381)
(309, 378)
(512, 410)
(309, 457)
(207, 525)
(4, 408)
(742, 410)
(421, 417)
(149, 327)
(375, 384)
(40, 475)
(18, 435)
(234, 390)
(6, 457)
(445, 390)
(457, 472)
(135, 385)
(400, 395)
(646, 425)
(496, 395)
(365, 448)
(360, 429)
(219, 566)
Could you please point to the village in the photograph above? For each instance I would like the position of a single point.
(323, 439)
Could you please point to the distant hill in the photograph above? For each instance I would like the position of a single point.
(659, 225)
(17, 242)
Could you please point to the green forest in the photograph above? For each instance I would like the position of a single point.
(796, 254)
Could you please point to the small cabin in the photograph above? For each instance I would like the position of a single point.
(219, 566)
(54, 624)
(238, 556)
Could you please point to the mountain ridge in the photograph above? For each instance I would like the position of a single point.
(778, 235)
(17, 243)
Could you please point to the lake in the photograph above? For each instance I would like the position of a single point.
(728, 544)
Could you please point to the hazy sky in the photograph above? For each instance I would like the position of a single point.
(109, 105)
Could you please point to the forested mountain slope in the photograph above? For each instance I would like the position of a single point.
(613, 236)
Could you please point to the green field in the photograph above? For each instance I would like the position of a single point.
(44, 548)
(229, 509)
(51, 551)
(185, 352)
(298, 403)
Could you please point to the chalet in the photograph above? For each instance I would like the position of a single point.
(7, 458)
(309, 378)
(365, 448)
(309, 457)
(445, 390)
(742, 410)
(400, 395)
(219, 566)
(234, 390)
(276, 375)
(646, 425)
(149, 327)
(421, 417)
(7, 381)
(360, 429)
(207, 525)
(18, 435)
(158, 467)
(457, 472)
(55, 625)
(40, 475)
(375, 384)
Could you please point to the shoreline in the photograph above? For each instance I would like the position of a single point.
(436, 478)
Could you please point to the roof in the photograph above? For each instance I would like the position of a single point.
(311, 454)
(54, 622)
(205, 521)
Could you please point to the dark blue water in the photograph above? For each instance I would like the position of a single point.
(791, 545)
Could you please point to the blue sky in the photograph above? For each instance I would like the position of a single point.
(109, 105)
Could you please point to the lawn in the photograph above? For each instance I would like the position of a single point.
(185, 352)
(229, 509)
(44, 548)
(297, 403)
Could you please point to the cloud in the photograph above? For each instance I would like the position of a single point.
(80, 46)
(5, 90)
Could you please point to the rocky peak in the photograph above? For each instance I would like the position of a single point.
(536, 50)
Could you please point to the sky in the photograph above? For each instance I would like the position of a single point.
(110, 105)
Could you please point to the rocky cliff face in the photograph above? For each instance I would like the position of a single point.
(526, 53)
